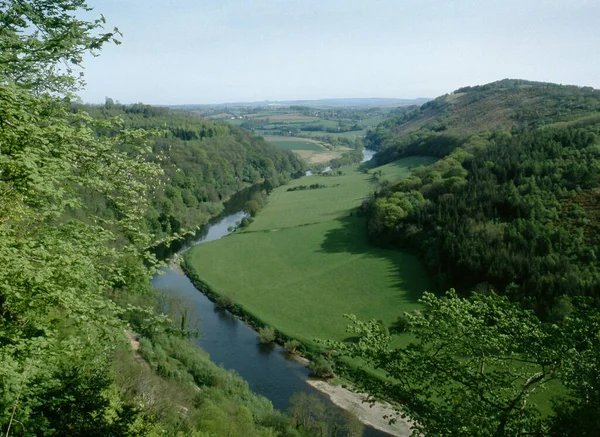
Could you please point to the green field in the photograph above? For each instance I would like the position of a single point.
(297, 145)
(306, 261)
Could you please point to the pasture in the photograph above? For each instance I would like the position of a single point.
(313, 151)
(306, 260)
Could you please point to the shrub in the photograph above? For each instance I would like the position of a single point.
(321, 368)
(224, 302)
(291, 346)
(266, 335)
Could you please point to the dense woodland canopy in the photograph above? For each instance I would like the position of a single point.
(508, 213)
(204, 162)
(84, 192)
(514, 211)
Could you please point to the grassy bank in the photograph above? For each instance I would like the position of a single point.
(306, 261)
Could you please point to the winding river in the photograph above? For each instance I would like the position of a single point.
(268, 369)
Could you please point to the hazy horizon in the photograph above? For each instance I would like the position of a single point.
(196, 52)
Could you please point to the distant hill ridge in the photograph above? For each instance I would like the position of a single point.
(505, 104)
(513, 201)
(367, 102)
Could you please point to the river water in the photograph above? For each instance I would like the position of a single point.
(268, 370)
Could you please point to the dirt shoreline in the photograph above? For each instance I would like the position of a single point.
(372, 415)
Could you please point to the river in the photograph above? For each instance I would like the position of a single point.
(268, 370)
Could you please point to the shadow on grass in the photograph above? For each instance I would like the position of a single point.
(409, 275)
(367, 165)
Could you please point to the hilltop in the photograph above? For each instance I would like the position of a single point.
(512, 204)
(354, 103)
(508, 104)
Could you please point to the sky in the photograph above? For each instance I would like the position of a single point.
(216, 51)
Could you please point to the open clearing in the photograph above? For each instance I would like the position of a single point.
(287, 117)
(298, 145)
(318, 158)
(306, 260)
(310, 150)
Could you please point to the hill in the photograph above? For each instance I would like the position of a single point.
(508, 105)
(204, 162)
(512, 204)
(366, 102)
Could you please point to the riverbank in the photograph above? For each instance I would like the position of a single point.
(306, 260)
(376, 415)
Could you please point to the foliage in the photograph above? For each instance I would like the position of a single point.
(321, 368)
(75, 203)
(291, 346)
(59, 258)
(266, 335)
(252, 207)
(518, 214)
(439, 125)
(310, 414)
(204, 163)
(43, 42)
(306, 187)
(224, 302)
(476, 363)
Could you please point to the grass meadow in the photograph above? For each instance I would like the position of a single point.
(306, 261)
(312, 151)
(288, 144)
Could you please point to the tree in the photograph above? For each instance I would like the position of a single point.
(473, 369)
(321, 368)
(59, 258)
(291, 346)
(266, 335)
(310, 414)
(252, 207)
(43, 42)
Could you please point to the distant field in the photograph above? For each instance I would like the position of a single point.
(291, 143)
(297, 145)
(287, 117)
(310, 150)
(306, 260)
(222, 115)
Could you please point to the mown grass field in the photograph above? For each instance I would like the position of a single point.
(311, 150)
(306, 261)
(297, 145)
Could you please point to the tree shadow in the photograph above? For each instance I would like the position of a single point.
(265, 348)
(409, 275)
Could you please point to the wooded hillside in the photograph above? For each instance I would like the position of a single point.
(204, 162)
(515, 210)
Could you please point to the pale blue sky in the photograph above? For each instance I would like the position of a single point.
(213, 51)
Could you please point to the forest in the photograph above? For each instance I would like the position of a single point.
(512, 210)
(509, 217)
(204, 162)
(85, 192)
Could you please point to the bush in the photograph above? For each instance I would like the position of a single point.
(246, 221)
(224, 302)
(253, 207)
(321, 368)
(291, 346)
(266, 335)
(400, 325)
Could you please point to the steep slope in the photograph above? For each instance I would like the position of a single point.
(204, 162)
(441, 124)
(510, 209)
